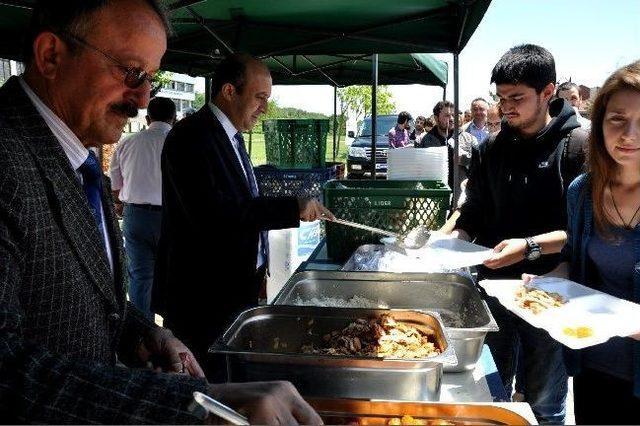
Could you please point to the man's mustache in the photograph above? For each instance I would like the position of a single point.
(126, 108)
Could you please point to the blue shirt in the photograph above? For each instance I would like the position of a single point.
(481, 133)
(614, 261)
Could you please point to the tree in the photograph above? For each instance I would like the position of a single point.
(199, 101)
(160, 79)
(357, 99)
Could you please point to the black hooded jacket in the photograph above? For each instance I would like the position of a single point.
(517, 187)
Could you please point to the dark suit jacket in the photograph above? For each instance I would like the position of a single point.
(205, 271)
(63, 314)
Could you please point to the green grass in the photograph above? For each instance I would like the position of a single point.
(259, 157)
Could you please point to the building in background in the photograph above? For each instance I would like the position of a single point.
(9, 68)
(181, 90)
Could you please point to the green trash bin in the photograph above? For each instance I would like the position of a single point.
(296, 144)
(393, 205)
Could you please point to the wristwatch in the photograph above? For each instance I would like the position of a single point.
(533, 250)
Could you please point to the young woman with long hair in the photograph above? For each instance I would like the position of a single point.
(603, 249)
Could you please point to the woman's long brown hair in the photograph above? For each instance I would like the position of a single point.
(601, 165)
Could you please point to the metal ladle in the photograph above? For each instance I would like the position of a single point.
(414, 239)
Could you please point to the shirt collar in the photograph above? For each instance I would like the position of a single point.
(227, 125)
(473, 125)
(160, 125)
(75, 151)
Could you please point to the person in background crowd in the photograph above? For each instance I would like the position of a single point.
(494, 119)
(67, 333)
(419, 131)
(516, 204)
(442, 135)
(603, 249)
(399, 134)
(430, 123)
(136, 180)
(187, 112)
(214, 246)
(478, 126)
(571, 93)
(468, 116)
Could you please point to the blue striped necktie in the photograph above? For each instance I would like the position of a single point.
(92, 185)
(253, 187)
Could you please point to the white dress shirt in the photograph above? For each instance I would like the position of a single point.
(135, 165)
(231, 132)
(73, 149)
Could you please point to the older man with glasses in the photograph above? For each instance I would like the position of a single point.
(66, 329)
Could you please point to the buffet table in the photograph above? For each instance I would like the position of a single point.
(483, 384)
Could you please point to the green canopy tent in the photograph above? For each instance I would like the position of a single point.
(335, 70)
(206, 28)
(287, 27)
(278, 27)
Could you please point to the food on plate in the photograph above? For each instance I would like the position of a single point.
(379, 337)
(579, 332)
(537, 300)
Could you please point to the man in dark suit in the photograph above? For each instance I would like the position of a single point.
(66, 329)
(213, 248)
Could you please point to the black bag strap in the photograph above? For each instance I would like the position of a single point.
(572, 157)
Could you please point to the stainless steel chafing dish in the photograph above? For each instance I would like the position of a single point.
(349, 411)
(264, 344)
(465, 315)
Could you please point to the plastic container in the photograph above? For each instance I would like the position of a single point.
(288, 248)
(397, 206)
(298, 144)
(304, 183)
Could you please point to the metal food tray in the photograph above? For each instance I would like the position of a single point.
(343, 411)
(466, 316)
(263, 344)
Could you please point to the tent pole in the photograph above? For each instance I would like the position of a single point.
(456, 128)
(207, 90)
(335, 120)
(374, 112)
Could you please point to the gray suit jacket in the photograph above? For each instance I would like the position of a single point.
(64, 319)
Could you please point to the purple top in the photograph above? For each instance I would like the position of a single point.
(398, 138)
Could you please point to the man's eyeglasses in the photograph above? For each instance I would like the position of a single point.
(134, 77)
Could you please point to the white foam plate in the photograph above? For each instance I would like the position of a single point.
(449, 253)
(606, 315)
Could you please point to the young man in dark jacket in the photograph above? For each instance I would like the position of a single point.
(442, 135)
(516, 202)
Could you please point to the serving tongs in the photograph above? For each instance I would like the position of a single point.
(220, 410)
(414, 239)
